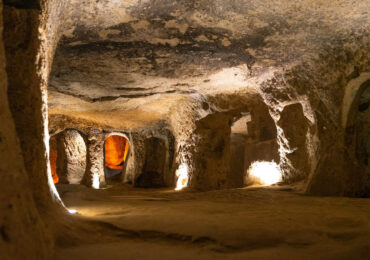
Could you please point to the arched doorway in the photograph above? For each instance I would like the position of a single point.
(357, 142)
(154, 168)
(67, 157)
(362, 128)
(116, 149)
(258, 133)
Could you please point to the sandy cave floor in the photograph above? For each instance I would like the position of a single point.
(254, 223)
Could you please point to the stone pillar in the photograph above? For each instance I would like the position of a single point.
(25, 96)
(211, 152)
(295, 126)
(25, 233)
(94, 175)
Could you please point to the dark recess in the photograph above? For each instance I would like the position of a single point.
(23, 4)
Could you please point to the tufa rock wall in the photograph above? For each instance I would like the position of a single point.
(24, 232)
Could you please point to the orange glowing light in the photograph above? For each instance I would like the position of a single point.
(116, 150)
(53, 160)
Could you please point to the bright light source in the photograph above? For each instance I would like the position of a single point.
(96, 181)
(182, 176)
(265, 173)
(72, 211)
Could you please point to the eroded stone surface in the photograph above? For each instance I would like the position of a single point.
(21, 224)
(144, 61)
(184, 69)
(295, 127)
(71, 160)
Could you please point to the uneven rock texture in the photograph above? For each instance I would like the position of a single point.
(94, 176)
(212, 152)
(295, 126)
(182, 70)
(146, 58)
(71, 157)
(23, 233)
(76, 156)
(22, 45)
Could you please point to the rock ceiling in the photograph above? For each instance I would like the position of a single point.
(125, 54)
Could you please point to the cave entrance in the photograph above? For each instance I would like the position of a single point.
(358, 141)
(253, 139)
(116, 149)
(156, 154)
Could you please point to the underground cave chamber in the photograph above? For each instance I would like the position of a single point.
(213, 97)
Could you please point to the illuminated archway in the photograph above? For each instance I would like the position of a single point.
(253, 142)
(116, 149)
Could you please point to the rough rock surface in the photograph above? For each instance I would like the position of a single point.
(71, 158)
(144, 60)
(76, 156)
(181, 66)
(23, 231)
(94, 176)
(21, 45)
(295, 133)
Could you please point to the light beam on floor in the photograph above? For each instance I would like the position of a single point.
(265, 173)
(182, 175)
